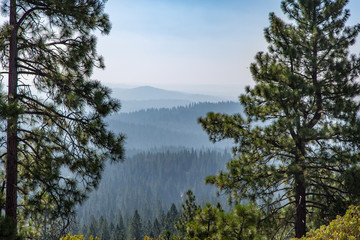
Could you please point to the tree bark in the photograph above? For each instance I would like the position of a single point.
(12, 126)
(300, 217)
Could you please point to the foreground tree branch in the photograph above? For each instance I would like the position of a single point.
(49, 46)
(301, 126)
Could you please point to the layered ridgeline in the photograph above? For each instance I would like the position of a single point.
(167, 153)
(175, 125)
(154, 128)
(139, 98)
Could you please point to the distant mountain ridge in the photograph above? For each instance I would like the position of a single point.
(152, 93)
(146, 97)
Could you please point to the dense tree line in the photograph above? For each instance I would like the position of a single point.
(181, 117)
(343, 227)
(176, 126)
(210, 222)
(136, 226)
(151, 181)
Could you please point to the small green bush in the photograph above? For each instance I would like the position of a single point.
(341, 228)
(77, 237)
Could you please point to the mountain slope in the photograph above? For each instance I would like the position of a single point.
(156, 128)
(151, 93)
(149, 182)
(134, 99)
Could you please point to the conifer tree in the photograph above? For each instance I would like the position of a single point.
(93, 227)
(214, 223)
(118, 233)
(104, 230)
(53, 134)
(121, 227)
(156, 229)
(297, 148)
(205, 223)
(171, 217)
(188, 212)
(148, 229)
(135, 227)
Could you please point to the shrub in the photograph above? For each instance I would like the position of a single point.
(341, 228)
(77, 237)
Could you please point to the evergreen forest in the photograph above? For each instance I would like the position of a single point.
(282, 163)
(169, 127)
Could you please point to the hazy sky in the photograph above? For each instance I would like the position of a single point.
(194, 45)
(203, 46)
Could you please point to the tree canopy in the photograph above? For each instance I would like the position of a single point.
(54, 142)
(212, 222)
(297, 144)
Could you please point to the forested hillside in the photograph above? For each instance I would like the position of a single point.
(155, 128)
(129, 228)
(146, 97)
(151, 181)
(167, 154)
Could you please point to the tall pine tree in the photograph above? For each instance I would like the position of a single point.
(298, 144)
(55, 142)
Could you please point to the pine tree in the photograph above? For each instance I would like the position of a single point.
(171, 217)
(135, 227)
(156, 228)
(120, 226)
(240, 223)
(93, 228)
(297, 147)
(188, 212)
(162, 218)
(53, 111)
(205, 223)
(214, 223)
(118, 233)
(111, 227)
(104, 229)
(148, 229)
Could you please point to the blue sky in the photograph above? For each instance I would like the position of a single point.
(203, 46)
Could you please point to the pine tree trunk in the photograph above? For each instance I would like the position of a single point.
(300, 218)
(12, 142)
